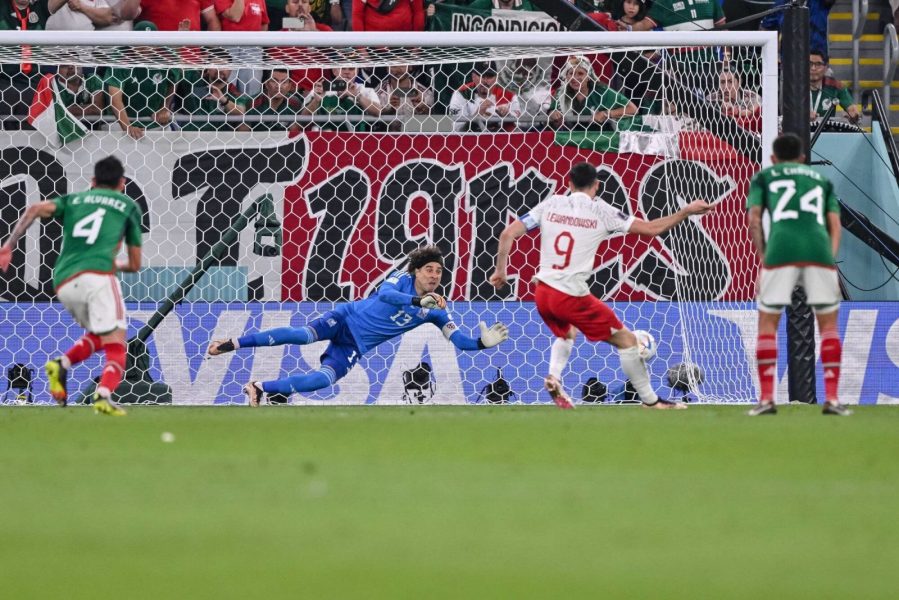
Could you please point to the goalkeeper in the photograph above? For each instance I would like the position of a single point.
(403, 302)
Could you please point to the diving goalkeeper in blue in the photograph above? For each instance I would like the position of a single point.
(403, 302)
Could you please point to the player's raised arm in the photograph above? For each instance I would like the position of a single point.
(512, 232)
(40, 210)
(663, 224)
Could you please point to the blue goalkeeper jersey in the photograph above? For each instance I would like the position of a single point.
(389, 312)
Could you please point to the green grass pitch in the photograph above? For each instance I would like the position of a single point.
(448, 502)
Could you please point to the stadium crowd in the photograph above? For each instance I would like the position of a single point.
(592, 93)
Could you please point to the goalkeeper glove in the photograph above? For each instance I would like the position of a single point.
(429, 300)
(493, 335)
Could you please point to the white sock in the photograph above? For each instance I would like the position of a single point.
(635, 369)
(65, 362)
(558, 356)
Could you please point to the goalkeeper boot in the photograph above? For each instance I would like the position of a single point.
(56, 374)
(665, 404)
(220, 347)
(835, 408)
(105, 406)
(554, 387)
(763, 408)
(254, 393)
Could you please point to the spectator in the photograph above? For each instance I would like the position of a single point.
(325, 12)
(87, 15)
(632, 12)
(180, 15)
(301, 10)
(343, 95)
(18, 81)
(388, 15)
(827, 91)
(733, 100)
(82, 96)
(277, 99)
(676, 15)
(401, 95)
(584, 102)
(244, 15)
(209, 94)
(141, 97)
(528, 78)
(477, 102)
(819, 11)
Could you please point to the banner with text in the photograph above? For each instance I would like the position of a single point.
(338, 211)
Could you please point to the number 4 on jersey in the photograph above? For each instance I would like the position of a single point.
(89, 226)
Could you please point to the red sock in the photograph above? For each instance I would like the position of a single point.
(83, 348)
(115, 366)
(831, 353)
(766, 356)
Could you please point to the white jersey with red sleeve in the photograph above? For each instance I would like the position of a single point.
(571, 229)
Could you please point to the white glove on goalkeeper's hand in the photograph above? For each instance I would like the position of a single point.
(494, 335)
(431, 300)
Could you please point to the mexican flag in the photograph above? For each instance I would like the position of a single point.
(49, 115)
(633, 142)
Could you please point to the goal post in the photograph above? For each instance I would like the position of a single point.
(342, 186)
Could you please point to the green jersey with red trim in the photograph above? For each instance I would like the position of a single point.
(94, 223)
(797, 199)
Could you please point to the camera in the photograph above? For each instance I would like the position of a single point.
(337, 86)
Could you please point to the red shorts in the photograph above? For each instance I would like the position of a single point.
(588, 313)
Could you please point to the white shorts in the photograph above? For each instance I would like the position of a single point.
(95, 301)
(821, 284)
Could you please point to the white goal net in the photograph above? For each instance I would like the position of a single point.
(283, 173)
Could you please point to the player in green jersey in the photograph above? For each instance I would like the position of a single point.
(802, 242)
(94, 224)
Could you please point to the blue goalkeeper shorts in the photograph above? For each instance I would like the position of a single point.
(342, 353)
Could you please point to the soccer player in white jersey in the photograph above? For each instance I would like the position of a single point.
(572, 226)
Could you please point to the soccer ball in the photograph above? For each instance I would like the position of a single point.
(646, 344)
(685, 377)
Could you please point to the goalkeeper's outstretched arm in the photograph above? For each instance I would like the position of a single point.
(490, 337)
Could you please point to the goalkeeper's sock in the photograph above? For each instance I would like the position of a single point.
(81, 350)
(635, 369)
(308, 382)
(558, 356)
(831, 355)
(766, 357)
(278, 337)
(112, 372)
